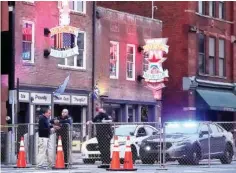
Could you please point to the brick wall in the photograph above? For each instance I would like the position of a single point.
(45, 72)
(125, 29)
(4, 16)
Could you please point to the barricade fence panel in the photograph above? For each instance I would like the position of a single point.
(187, 143)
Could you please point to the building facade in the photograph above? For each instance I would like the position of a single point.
(119, 62)
(38, 75)
(202, 47)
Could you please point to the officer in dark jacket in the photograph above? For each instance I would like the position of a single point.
(65, 122)
(104, 135)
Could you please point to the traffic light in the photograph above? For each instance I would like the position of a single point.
(46, 51)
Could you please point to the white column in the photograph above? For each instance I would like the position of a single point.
(84, 112)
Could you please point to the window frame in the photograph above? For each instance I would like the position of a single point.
(134, 54)
(84, 7)
(117, 61)
(220, 58)
(32, 59)
(202, 53)
(203, 9)
(223, 10)
(213, 8)
(209, 56)
(76, 56)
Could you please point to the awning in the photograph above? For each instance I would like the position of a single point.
(219, 100)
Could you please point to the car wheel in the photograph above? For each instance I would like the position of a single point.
(148, 161)
(134, 153)
(195, 158)
(228, 155)
(88, 161)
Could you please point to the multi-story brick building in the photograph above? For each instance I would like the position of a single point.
(202, 45)
(40, 76)
(119, 62)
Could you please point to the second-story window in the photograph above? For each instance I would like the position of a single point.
(145, 62)
(28, 41)
(130, 62)
(78, 6)
(221, 10)
(221, 57)
(201, 54)
(114, 59)
(201, 7)
(65, 41)
(212, 56)
(212, 8)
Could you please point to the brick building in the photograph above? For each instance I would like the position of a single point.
(202, 46)
(40, 76)
(118, 64)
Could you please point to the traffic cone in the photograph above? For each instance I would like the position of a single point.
(60, 163)
(115, 162)
(21, 160)
(128, 162)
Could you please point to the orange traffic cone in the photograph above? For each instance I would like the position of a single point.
(21, 161)
(128, 162)
(115, 162)
(60, 163)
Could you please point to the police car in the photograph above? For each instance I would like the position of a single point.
(90, 150)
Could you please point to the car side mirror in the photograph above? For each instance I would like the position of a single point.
(202, 133)
(131, 133)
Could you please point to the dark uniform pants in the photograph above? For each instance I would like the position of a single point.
(104, 148)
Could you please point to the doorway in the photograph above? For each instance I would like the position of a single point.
(23, 115)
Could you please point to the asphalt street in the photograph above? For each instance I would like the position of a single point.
(215, 167)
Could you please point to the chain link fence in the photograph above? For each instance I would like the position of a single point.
(187, 143)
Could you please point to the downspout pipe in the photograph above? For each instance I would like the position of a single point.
(93, 52)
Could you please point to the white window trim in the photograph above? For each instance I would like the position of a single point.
(29, 1)
(117, 61)
(75, 57)
(133, 78)
(33, 42)
(84, 8)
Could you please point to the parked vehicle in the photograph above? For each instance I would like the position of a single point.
(90, 150)
(188, 143)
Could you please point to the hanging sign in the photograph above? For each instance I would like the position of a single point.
(62, 36)
(156, 75)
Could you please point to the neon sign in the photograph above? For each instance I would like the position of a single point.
(156, 75)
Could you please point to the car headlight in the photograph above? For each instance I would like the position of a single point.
(147, 148)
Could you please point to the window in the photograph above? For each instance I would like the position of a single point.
(221, 10)
(142, 132)
(114, 60)
(28, 41)
(214, 128)
(221, 57)
(212, 56)
(201, 7)
(145, 62)
(130, 49)
(201, 53)
(78, 6)
(65, 41)
(212, 8)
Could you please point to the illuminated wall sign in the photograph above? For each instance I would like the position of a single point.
(64, 45)
(79, 100)
(62, 99)
(41, 98)
(155, 75)
(24, 96)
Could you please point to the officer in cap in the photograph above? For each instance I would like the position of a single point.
(104, 135)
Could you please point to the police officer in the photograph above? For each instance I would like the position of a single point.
(65, 122)
(104, 135)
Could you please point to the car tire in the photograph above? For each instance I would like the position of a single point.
(194, 156)
(228, 155)
(148, 161)
(183, 162)
(88, 161)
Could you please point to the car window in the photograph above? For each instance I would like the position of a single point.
(220, 129)
(214, 129)
(141, 130)
(149, 130)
